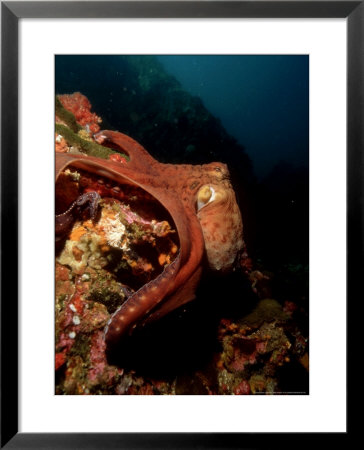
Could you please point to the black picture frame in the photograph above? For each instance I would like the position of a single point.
(11, 12)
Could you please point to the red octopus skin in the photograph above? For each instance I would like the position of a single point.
(202, 204)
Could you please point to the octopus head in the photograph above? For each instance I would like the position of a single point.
(220, 219)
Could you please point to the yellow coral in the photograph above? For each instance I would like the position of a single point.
(77, 232)
(85, 135)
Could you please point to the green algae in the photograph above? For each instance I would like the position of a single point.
(71, 130)
(61, 301)
(267, 310)
(66, 116)
(81, 346)
(111, 299)
(137, 232)
(88, 147)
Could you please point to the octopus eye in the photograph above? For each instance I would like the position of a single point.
(205, 195)
(217, 169)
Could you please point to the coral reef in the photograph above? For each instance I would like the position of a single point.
(80, 107)
(200, 201)
(99, 266)
(256, 348)
(127, 239)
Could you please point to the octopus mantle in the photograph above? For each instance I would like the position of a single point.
(202, 204)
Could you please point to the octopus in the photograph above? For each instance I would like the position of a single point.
(202, 203)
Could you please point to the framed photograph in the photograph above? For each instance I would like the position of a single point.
(185, 283)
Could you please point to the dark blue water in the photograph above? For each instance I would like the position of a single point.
(261, 100)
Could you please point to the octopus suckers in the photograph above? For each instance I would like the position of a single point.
(132, 309)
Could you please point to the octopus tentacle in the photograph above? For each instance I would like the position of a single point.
(123, 175)
(202, 204)
(141, 303)
(184, 294)
(91, 200)
(176, 284)
(139, 157)
(172, 288)
(64, 222)
(88, 202)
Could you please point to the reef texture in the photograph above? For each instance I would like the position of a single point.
(132, 238)
(199, 199)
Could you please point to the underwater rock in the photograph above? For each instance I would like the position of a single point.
(101, 262)
(129, 241)
(256, 348)
(266, 310)
(199, 199)
(61, 144)
(80, 107)
(242, 388)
